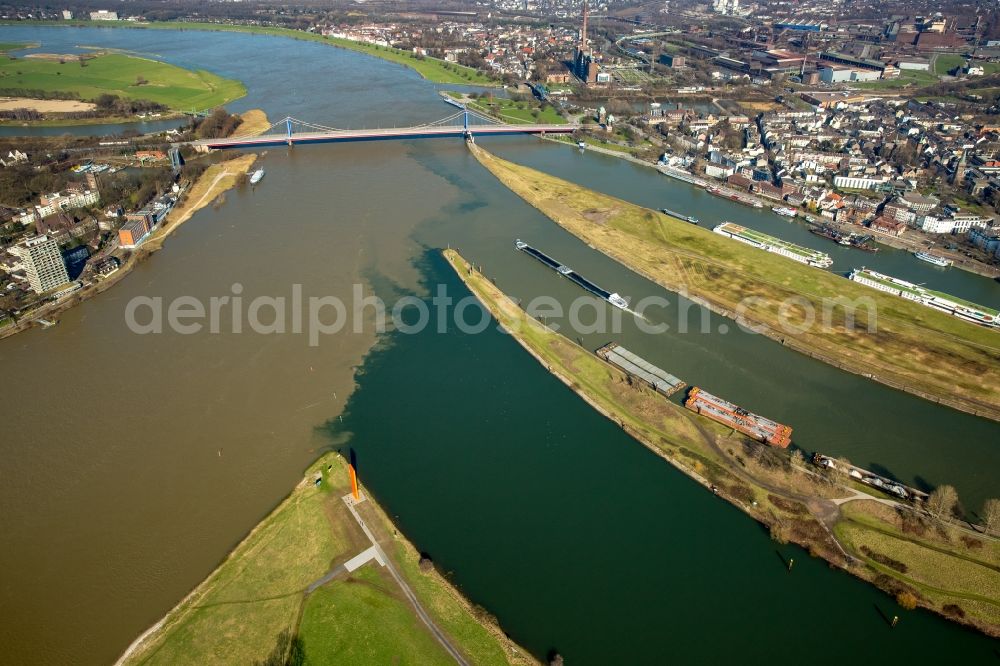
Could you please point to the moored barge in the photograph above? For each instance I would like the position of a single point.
(636, 366)
(759, 428)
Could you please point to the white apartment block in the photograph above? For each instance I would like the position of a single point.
(56, 202)
(935, 225)
(43, 263)
(858, 183)
(966, 221)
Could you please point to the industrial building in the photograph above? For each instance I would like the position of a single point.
(801, 25)
(842, 74)
(885, 70)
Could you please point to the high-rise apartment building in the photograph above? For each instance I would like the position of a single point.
(43, 263)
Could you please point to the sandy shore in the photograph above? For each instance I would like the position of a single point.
(254, 122)
(45, 105)
(217, 179)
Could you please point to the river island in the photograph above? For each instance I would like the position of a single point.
(913, 348)
(919, 559)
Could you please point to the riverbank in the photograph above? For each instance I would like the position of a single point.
(210, 185)
(432, 69)
(55, 121)
(216, 180)
(909, 241)
(849, 528)
(917, 349)
(274, 595)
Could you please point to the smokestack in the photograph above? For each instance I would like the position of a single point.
(583, 32)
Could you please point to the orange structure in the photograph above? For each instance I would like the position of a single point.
(354, 482)
(760, 428)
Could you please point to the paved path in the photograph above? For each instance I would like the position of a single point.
(379, 555)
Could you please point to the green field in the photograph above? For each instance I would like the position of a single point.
(241, 612)
(907, 78)
(373, 624)
(938, 563)
(946, 62)
(432, 69)
(512, 111)
(13, 46)
(118, 74)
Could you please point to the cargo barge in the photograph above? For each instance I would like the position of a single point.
(638, 367)
(566, 271)
(776, 245)
(863, 243)
(679, 216)
(681, 175)
(957, 307)
(744, 199)
(872, 479)
(750, 424)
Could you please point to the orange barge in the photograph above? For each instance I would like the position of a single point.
(759, 428)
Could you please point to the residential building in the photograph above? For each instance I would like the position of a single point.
(986, 238)
(935, 225)
(43, 263)
(57, 202)
(887, 225)
(103, 15)
(918, 203)
(858, 183)
(964, 222)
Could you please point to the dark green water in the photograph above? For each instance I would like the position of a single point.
(581, 540)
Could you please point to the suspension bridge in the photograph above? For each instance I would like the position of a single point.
(465, 123)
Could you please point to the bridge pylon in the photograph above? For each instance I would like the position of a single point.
(288, 130)
(466, 132)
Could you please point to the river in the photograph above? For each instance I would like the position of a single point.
(132, 463)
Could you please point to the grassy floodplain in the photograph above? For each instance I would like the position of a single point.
(939, 566)
(511, 111)
(432, 69)
(13, 46)
(120, 74)
(914, 348)
(254, 606)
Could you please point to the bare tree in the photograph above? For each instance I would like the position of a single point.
(991, 515)
(942, 501)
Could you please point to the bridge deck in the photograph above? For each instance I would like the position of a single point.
(426, 132)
